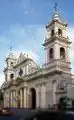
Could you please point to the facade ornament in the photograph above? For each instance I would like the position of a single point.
(27, 55)
(61, 85)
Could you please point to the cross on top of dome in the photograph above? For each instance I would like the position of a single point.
(56, 15)
(10, 48)
(55, 6)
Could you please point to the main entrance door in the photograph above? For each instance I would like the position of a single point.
(33, 98)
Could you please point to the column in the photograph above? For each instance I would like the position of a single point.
(21, 98)
(11, 98)
(17, 98)
(54, 92)
(46, 61)
(4, 100)
(49, 94)
(29, 99)
(56, 51)
(37, 98)
(25, 98)
(7, 99)
(68, 57)
(39, 95)
(43, 96)
(14, 99)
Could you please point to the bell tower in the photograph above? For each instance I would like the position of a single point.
(57, 45)
(8, 70)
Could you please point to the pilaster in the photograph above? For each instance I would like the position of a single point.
(43, 96)
(11, 99)
(56, 51)
(37, 97)
(21, 98)
(25, 98)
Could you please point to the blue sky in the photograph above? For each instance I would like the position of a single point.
(22, 26)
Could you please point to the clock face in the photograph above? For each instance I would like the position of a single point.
(20, 72)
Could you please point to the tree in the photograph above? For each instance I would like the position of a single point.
(1, 96)
(63, 103)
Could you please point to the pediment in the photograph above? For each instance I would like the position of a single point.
(21, 58)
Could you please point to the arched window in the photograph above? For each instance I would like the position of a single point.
(12, 76)
(62, 53)
(51, 53)
(52, 32)
(11, 63)
(59, 32)
(20, 72)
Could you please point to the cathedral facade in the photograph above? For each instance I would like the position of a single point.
(29, 86)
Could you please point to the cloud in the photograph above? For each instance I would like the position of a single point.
(26, 12)
(28, 39)
(25, 39)
(28, 52)
(71, 36)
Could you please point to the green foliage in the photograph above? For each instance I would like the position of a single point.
(63, 103)
(73, 103)
(1, 96)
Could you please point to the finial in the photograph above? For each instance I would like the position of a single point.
(10, 48)
(56, 15)
(55, 6)
(27, 55)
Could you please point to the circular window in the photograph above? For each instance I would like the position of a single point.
(20, 72)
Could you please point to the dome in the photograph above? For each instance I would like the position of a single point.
(56, 16)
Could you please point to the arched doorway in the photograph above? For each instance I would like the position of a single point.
(33, 98)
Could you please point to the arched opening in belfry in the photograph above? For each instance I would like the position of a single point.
(51, 53)
(62, 53)
(59, 32)
(52, 32)
(33, 98)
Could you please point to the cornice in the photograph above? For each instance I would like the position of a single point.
(42, 73)
(54, 38)
(24, 61)
(8, 68)
(56, 21)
